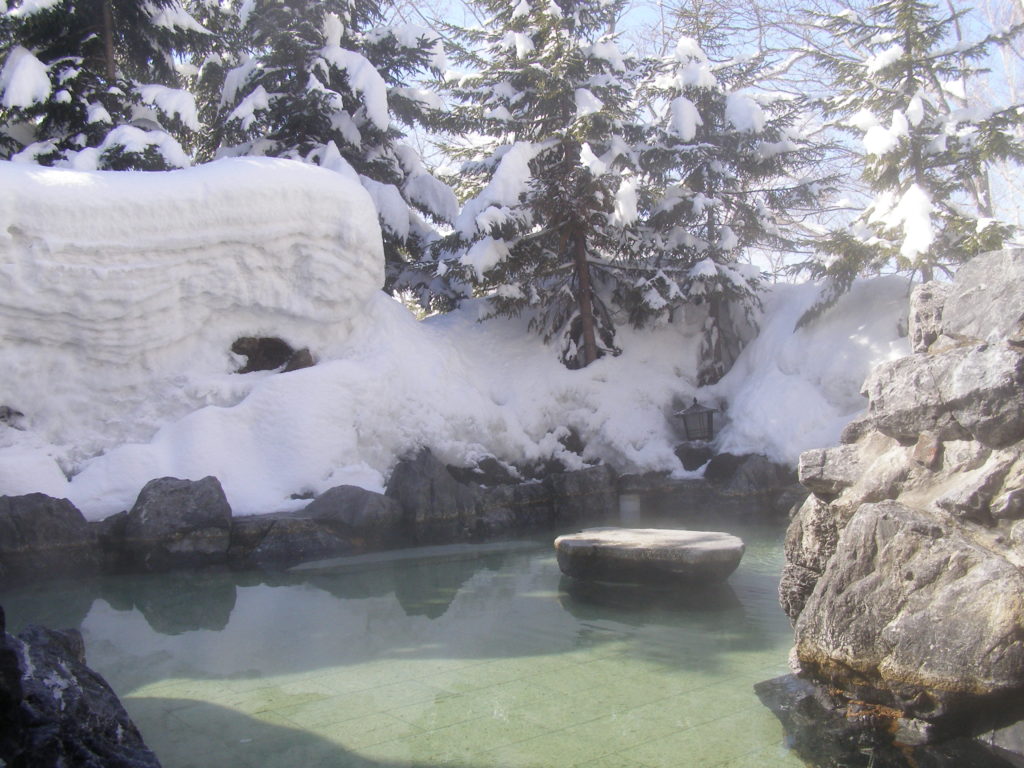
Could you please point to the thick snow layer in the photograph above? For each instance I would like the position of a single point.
(123, 292)
(744, 113)
(23, 80)
(364, 79)
(795, 390)
(120, 295)
(685, 119)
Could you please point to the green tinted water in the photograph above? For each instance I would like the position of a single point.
(483, 658)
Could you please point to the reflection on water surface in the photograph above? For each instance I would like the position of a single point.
(464, 656)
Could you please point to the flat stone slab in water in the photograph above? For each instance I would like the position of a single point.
(648, 555)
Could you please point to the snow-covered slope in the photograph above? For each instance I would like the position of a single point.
(120, 295)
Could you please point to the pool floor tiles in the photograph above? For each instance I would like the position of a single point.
(595, 713)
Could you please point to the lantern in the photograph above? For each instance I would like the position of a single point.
(697, 421)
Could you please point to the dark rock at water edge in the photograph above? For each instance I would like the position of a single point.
(55, 712)
(178, 523)
(584, 495)
(280, 540)
(43, 535)
(342, 520)
(438, 508)
(367, 518)
(748, 487)
(903, 593)
(827, 731)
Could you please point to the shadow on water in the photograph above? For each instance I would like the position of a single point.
(201, 734)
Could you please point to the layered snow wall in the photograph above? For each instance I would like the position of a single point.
(121, 293)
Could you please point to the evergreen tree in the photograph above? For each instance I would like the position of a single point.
(900, 76)
(547, 169)
(726, 170)
(94, 83)
(319, 80)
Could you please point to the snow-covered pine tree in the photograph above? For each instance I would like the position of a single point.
(727, 169)
(900, 76)
(546, 167)
(94, 83)
(315, 80)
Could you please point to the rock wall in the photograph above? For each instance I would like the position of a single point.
(177, 524)
(904, 573)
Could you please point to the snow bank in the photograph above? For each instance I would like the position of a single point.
(795, 390)
(122, 294)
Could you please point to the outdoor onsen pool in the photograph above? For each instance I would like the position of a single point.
(477, 656)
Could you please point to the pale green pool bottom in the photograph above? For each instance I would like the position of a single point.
(591, 708)
(485, 659)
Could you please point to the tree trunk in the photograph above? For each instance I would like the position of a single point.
(583, 297)
(108, 39)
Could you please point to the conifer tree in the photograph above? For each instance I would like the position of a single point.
(94, 83)
(548, 172)
(900, 78)
(319, 80)
(726, 170)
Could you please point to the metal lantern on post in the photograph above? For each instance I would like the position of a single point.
(697, 421)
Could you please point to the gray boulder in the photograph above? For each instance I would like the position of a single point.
(341, 521)
(58, 713)
(43, 535)
(826, 472)
(653, 555)
(986, 301)
(365, 518)
(969, 392)
(505, 509)
(436, 508)
(584, 496)
(897, 609)
(178, 523)
(282, 540)
(810, 542)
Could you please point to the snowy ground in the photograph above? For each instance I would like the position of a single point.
(120, 295)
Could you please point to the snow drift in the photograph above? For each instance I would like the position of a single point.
(120, 295)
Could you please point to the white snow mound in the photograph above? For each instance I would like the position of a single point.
(121, 293)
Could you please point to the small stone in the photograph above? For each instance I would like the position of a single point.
(928, 450)
(301, 359)
(926, 306)
(826, 472)
(262, 353)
